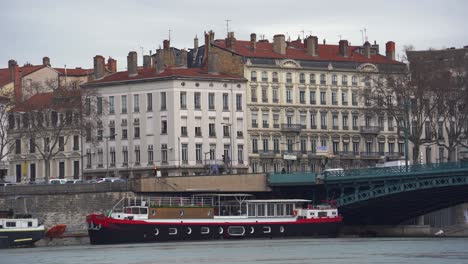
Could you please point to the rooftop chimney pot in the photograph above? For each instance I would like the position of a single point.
(253, 41)
(279, 44)
(46, 61)
(99, 63)
(344, 47)
(390, 50)
(132, 64)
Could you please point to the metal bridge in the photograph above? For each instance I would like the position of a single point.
(388, 195)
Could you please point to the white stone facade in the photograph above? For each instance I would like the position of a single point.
(174, 133)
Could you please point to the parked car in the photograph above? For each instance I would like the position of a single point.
(74, 181)
(57, 181)
(119, 180)
(6, 183)
(101, 180)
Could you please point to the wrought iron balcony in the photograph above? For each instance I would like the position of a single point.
(267, 154)
(370, 129)
(347, 154)
(394, 155)
(370, 155)
(291, 128)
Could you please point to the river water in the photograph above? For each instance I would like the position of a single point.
(279, 251)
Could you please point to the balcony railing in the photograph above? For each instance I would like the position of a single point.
(267, 154)
(347, 154)
(370, 129)
(370, 155)
(394, 155)
(291, 127)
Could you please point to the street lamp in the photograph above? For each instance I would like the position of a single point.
(107, 152)
(230, 145)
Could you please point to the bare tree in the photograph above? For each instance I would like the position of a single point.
(50, 119)
(405, 95)
(5, 142)
(452, 106)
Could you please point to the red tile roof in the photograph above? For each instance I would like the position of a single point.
(168, 72)
(45, 100)
(297, 51)
(25, 70)
(75, 71)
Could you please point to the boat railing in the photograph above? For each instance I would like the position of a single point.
(194, 201)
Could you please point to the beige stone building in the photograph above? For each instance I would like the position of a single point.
(23, 163)
(304, 101)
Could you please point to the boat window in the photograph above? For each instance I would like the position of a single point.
(29, 224)
(172, 231)
(289, 209)
(10, 224)
(236, 230)
(143, 210)
(322, 214)
(135, 210)
(271, 209)
(280, 209)
(266, 229)
(333, 213)
(205, 230)
(251, 209)
(260, 209)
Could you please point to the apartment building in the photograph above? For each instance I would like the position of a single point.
(305, 103)
(165, 116)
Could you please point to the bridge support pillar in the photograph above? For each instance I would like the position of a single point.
(420, 220)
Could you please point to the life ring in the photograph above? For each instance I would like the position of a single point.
(295, 212)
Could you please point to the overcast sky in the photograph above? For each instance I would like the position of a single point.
(72, 32)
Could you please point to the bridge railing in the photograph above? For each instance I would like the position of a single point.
(397, 170)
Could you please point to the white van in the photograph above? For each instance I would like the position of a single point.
(57, 181)
(333, 172)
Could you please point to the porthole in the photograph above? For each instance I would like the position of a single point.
(281, 229)
(183, 83)
(156, 231)
(189, 230)
(266, 229)
(172, 231)
(236, 230)
(252, 230)
(197, 84)
(205, 230)
(221, 230)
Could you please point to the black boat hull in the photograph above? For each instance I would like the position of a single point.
(20, 238)
(146, 233)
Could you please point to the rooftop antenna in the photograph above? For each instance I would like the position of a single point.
(339, 36)
(303, 34)
(170, 34)
(362, 35)
(142, 50)
(365, 33)
(227, 26)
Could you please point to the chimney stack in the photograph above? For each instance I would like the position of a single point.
(213, 63)
(279, 44)
(166, 44)
(46, 61)
(98, 67)
(183, 58)
(312, 45)
(253, 41)
(211, 36)
(343, 44)
(367, 51)
(230, 41)
(195, 42)
(146, 61)
(15, 78)
(390, 50)
(112, 65)
(132, 64)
